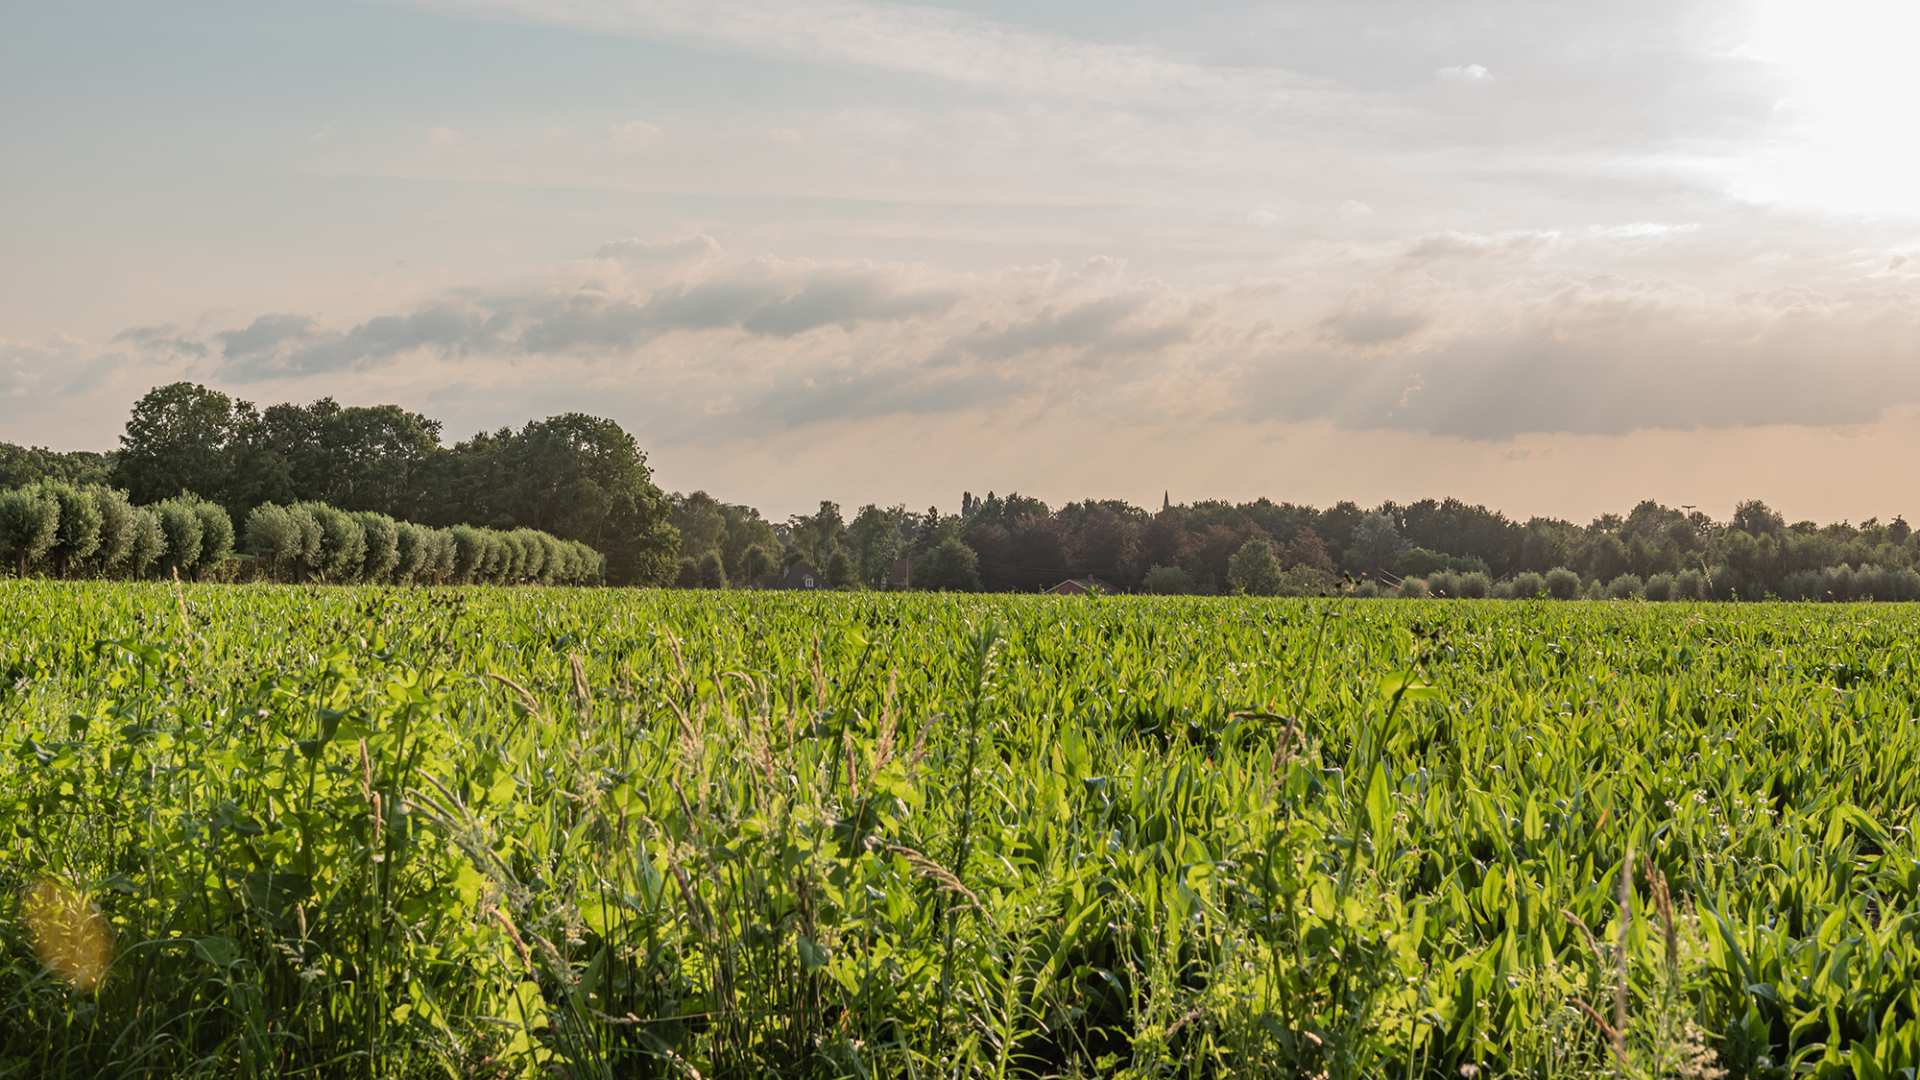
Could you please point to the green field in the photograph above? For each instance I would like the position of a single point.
(542, 832)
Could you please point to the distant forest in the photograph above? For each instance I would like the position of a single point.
(582, 478)
(1448, 547)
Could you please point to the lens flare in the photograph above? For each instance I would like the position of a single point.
(69, 932)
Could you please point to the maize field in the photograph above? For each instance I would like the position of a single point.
(540, 832)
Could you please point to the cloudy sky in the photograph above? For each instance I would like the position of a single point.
(1553, 257)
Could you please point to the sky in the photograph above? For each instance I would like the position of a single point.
(1554, 258)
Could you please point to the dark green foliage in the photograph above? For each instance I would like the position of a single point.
(950, 566)
(1563, 584)
(712, 572)
(77, 536)
(21, 466)
(181, 438)
(29, 526)
(216, 534)
(343, 545)
(1167, 581)
(755, 561)
(181, 525)
(574, 476)
(1253, 570)
(383, 546)
(1624, 587)
(283, 538)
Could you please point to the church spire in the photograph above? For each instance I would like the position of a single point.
(1166, 499)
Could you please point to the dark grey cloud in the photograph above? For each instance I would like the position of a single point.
(1608, 366)
(163, 339)
(1096, 329)
(859, 394)
(758, 305)
(844, 300)
(276, 346)
(265, 335)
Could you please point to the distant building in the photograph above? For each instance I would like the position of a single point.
(800, 575)
(1081, 587)
(900, 574)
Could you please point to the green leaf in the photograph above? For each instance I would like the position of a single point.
(1407, 686)
(813, 955)
(1379, 806)
(221, 952)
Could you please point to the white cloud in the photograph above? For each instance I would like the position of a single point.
(633, 131)
(1465, 73)
(442, 135)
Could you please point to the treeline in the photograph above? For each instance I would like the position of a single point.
(1434, 547)
(317, 542)
(60, 529)
(582, 481)
(578, 478)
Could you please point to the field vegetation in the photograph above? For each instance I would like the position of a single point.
(366, 832)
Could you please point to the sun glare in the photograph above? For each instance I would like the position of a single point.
(1845, 124)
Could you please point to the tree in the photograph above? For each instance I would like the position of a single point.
(180, 438)
(949, 566)
(1376, 544)
(575, 476)
(1254, 570)
(1105, 543)
(216, 533)
(180, 523)
(342, 550)
(383, 545)
(116, 529)
(21, 466)
(754, 562)
(358, 458)
(274, 537)
(1164, 541)
(1756, 518)
(701, 522)
(1167, 581)
(712, 573)
(78, 534)
(148, 543)
(874, 539)
(1306, 549)
(817, 536)
(840, 570)
(29, 526)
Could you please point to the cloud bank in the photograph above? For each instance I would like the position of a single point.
(1469, 337)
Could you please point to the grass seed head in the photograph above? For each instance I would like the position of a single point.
(69, 932)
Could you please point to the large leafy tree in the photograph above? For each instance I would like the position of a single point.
(372, 458)
(182, 438)
(578, 477)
